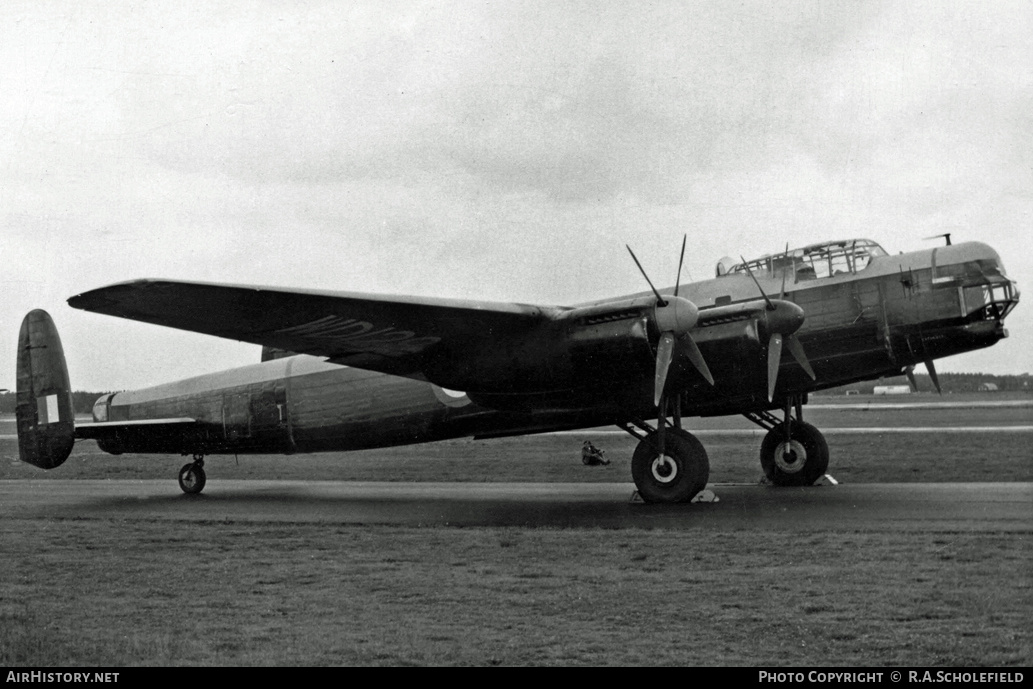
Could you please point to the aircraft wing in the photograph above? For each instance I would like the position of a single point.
(382, 333)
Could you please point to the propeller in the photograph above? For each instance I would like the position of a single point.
(784, 318)
(909, 371)
(674, 316)
(932, 374)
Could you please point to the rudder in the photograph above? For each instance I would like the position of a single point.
(44, 412)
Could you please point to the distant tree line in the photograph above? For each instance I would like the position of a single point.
(82, 401)
(949, 383)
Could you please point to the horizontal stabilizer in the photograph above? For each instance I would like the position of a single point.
(138, 422)
(103, 429)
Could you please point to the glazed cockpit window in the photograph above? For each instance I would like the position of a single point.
(816, 261)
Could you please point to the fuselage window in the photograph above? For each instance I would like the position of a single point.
(819, 263)
(840, 264)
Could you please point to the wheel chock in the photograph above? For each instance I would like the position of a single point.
(705, 495)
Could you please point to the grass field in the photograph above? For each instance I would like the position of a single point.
(119, 592)
(733, 444)
(856, 458)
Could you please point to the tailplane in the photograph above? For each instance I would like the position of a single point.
(46, 417)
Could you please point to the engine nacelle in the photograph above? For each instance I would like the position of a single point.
(563, 363)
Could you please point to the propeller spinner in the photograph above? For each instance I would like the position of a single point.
(784, 318)
(675, 317)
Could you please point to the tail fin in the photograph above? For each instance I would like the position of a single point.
(46, 417)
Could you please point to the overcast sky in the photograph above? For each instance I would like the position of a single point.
(502, 151)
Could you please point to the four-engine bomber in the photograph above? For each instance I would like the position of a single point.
(347, 371)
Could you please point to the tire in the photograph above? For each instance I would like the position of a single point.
(682, 474)
(807, 460)
(192, 479)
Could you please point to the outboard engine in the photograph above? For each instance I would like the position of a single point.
(44, 411)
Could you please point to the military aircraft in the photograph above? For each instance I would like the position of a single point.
(349, 371)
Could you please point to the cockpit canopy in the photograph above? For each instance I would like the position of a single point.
(814, 261)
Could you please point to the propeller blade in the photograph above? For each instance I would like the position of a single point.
(785, 271)
(909, 371)
(659, 299)
(664, 354)
(932, 374)
(774, 359)
(796, 349)
(771, 307)
(673, 317)
(696, 357)
(680, 260)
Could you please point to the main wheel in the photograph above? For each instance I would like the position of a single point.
(677, 475)
(192, 478)
(801, 461)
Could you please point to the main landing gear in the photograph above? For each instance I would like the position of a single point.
(192, 477)
(793, 453)
(669, 464)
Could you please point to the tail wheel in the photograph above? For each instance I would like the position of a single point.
(192, 478)
(677, 475)
(799, 462)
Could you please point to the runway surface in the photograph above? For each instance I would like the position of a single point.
(859, 430)
(967, 507)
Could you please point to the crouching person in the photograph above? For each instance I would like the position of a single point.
(592, 455)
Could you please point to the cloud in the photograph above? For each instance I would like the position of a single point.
(575, 101)
(499, 151)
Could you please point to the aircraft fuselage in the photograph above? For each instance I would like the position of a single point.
(300, 404)
(861, 323)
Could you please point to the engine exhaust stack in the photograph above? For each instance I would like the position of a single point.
(44, 412)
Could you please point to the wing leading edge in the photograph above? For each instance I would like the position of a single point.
(390, 334)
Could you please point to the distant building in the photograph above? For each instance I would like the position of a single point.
(988, 387)
(891, 390)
